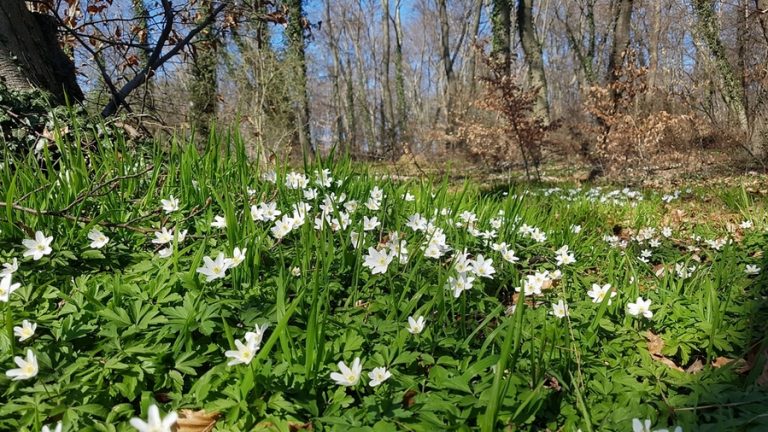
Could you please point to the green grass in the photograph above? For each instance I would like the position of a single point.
(121, 328)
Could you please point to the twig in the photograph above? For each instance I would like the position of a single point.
(155, 59)
(725, 405)
(113, 183)
(75, 218)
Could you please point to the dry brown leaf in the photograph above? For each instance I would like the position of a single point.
(196, 421)
(721, 361)
(659, 270)
(663, 360)
(695, 367)
(655, 345)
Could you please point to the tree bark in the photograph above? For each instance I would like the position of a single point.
(501, 27)
(710, 31)
(471, 54)
(445, 45)
(341, 126)
(621, 29)
(402, 108)
(204, 75)
(295, 31)
(533, 57)
(30, 56)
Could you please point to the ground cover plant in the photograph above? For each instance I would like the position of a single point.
(177, 287)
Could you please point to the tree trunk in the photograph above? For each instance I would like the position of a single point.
(204, 77)
(402, 109)
(471, 54)
(731, 85)
(341, 126)
(30, 56)
(445, 44)
(501, 27)
(533, 57)
(388, 114)
(295, 32)
(621, 29)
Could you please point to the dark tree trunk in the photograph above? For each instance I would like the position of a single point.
(621, 29)
(204, 82)
(296, 25)
(501, 27)
(30, 55)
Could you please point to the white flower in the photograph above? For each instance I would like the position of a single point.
(377, 193)
(154, 423)
(244, 352)
(98, 239)
(560, 309)
(296, 271)
(483, 267)
(373, 204)
(370, 224)
(575, 229)
(294, 180)
(282, 227)
(684, 272)
(666, 231)
(58, 428)
(26, 331)
(640, 307)
(214, 269)
(265, 212)
(6, 288)
(416, 326)
(323, 178)
(270, 176)
(641, 426)
(533, 284)
(747, 224)
(38, 247)
(310, 194)
(255, 337)
(416, 222)
(564, 257)
(377, 260)
(408, 197)
(598, 293)
(165, 252)
(350, 375)
(9, 268)
(219, 222)
(538, 235)
(170, 205)
(509, 255)
(460, 284)
(27, 367)
(378, 375)
(238, 256)
(163, 236)
(752, 270)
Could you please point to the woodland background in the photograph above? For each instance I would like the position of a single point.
(624, 89)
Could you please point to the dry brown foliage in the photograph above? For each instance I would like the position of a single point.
(515, 132)
(628, 140)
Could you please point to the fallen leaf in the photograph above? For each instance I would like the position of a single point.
(695, 367)
(655, 345)
(721, 361)
(196, 421)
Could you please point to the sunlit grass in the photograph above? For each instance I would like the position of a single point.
(121, 328)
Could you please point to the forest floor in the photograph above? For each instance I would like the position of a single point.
(366, 297)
